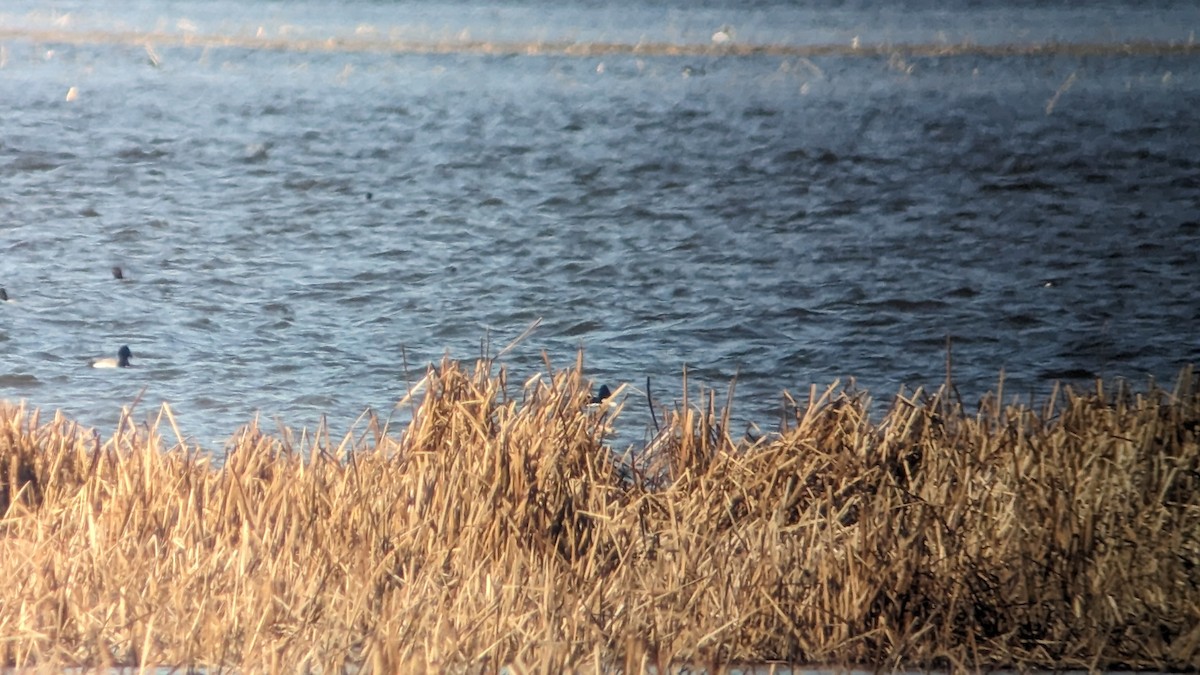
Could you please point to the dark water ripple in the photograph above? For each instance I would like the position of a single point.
(297, 229)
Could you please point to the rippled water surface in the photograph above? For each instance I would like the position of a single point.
(296, 224)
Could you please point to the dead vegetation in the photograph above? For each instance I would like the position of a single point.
(497, 529)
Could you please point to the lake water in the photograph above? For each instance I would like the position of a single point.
(305, 197)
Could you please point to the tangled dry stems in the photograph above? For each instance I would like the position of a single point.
(498, 530)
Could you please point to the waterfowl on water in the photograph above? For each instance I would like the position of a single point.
(117, 272)
(122, 360)
(3, 295)
(604, 393)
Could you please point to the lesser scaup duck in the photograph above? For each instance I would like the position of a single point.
(122, 360)
(601, 395)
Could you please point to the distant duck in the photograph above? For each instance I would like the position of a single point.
(122, 360)
(601, 395)
(723, 35)
(4, 296)
(118, 273)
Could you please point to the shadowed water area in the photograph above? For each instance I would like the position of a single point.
(306, 197)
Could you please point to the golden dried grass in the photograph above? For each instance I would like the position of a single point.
(497, 530)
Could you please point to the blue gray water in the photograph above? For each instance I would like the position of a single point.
(303, 229)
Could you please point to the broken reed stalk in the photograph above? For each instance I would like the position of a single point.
(498, 529)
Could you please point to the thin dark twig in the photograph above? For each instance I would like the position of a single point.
(650, 403)
(408, 384)
(951, 388)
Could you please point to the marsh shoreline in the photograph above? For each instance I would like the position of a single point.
(498, 530)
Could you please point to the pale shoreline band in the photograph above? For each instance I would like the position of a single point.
(584, 49)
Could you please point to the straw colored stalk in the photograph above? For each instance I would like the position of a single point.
(498, 529)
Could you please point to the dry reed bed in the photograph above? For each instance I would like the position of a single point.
(497, 529)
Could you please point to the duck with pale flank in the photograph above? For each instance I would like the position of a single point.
(122, 360)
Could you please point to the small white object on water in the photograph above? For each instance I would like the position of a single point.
(724, 34)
